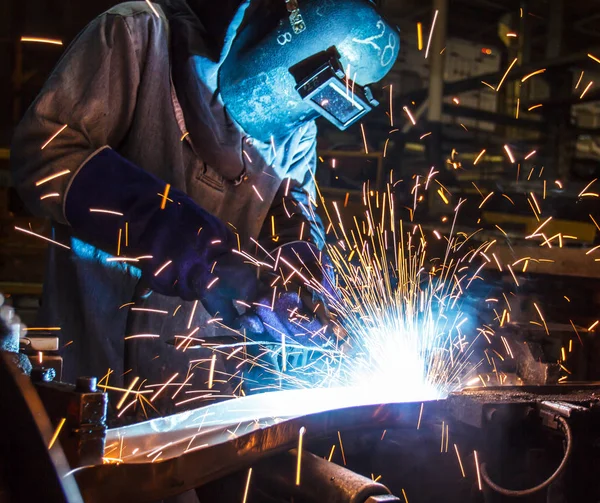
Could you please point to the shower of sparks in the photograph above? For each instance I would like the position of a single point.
(431, 33)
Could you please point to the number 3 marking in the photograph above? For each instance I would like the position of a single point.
(284, 38)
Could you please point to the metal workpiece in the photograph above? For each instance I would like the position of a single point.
(82, 409)
(167, 456)
(319, 480)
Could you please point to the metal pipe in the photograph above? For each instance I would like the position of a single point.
(320, 480)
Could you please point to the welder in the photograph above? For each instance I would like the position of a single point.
(169, 140)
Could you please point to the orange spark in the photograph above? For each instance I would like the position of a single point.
(591, 56)
(410, 116)
(212, 371)
(56, 432)
(509, 153)
(126, 394)
(431, 33)
(46, 196)
(506, 74)
(362, 128)
(41, 237)
(479, 157)
(142, 336)
(477, 468)
(586, 89)
(247, 485)
(109, 212)
(163, 267)
(537, 72)
(163, 202)
(52, 177)
(299, 456)
(53, 136)
(52, 41)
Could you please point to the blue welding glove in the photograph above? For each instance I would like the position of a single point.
(298, 309)
(189, 251)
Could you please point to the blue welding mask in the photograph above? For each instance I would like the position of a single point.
(295, 60)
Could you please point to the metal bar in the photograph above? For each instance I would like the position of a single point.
(219, 453)
(321, 480)
(436, 69)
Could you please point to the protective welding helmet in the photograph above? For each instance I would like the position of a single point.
(294, 60)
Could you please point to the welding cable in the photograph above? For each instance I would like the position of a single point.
(526, 492)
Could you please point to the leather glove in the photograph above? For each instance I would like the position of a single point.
(189, 252)
(297, 307)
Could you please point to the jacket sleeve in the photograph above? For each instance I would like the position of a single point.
(89, 100)
(293, 210)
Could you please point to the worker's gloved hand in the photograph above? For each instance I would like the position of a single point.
(296, 305)
(183, 250)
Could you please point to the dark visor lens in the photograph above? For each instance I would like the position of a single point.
(336, 102)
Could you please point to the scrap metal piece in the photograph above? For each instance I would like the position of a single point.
(84, 411)
(532, 366)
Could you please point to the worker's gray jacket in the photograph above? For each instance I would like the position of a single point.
(145, 84)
